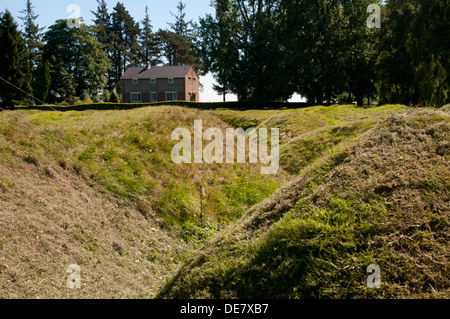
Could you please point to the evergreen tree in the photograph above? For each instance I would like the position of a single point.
(32, 34)
(181, 26)
(265, 50)
(414, 63)
(150, 47)
(177, 43)
(359, 53)
(174, 48)
(102, 25)
(78, 61)
(42, 81)
(125, 46)
(14, 66)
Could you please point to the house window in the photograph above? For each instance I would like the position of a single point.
(171, 80)
(153, 97)
(136, 97)
(171, 96)
(190, 80)
(195, 80)
(135, 81)
(153, 81)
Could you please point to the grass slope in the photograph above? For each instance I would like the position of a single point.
(99, 189)
(381, 197)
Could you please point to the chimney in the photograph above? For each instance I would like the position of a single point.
(149, 65)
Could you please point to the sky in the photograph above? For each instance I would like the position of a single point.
(159, 11)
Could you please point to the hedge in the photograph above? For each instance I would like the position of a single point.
(197, 105)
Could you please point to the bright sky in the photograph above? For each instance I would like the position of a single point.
(159, 11)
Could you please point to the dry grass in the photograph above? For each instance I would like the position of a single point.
(382, 198)
(98, 189)
(49, 221)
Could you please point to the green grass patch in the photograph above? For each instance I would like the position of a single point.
(379, 199)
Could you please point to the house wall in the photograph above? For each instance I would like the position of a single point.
(191, 87)
(160, 87)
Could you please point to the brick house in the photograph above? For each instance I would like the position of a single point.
(160, 83)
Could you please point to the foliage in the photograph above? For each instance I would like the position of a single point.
(85, 97)
(268, 50)
(77, 60)
(149, 42)
(32, 35)
(176, 43)
(414, 62)
(124, 44)
(14, 66)
(42, 81)
(114, 97)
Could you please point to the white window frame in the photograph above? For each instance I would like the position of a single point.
(135, 81)
(152, 80)
(156, 97)
(190, 80)
(135, 101)
(195, 80)
(176, 96)
(171, 80)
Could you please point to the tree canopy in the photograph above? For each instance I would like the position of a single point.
(78, 62)
(267, 50)
(14, 66)
(260, 50)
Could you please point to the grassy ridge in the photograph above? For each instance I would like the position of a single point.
(381, 198)
(128, 154)
(98, 188)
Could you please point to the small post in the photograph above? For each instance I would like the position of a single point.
(201, 204)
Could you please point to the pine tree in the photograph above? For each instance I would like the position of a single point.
(42, 81)
(102, 25)
(150, 47)
(32, 34)
(173, 47)
(177, 43)
(125, 46)
(181, 26)
(14, 66)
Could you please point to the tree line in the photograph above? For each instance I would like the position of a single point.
(266, 50)
(260, 50)
(85, 62)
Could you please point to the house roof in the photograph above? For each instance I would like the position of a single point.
(156, 72)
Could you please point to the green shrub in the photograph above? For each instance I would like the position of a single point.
(114, 98)
(85, 97)
(106, 96)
